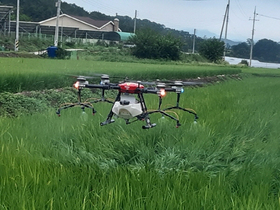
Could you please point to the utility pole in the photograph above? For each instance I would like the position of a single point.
(134, 31)
(17, 28)
(9, 23)
(226, 20)
(252, 40)
(57, 23)
(194, 34)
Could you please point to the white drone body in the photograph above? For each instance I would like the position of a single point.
(128, 107)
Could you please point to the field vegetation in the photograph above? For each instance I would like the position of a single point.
(21, 74)
(228, 160)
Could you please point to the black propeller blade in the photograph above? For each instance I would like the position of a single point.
(80, 77)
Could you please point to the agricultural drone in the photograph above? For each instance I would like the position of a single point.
(129, 103)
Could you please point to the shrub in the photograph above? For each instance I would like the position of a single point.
(244, 62)
(212, 49)
(62, 53)
(152, 45)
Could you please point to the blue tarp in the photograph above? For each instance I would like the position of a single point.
(52, 51)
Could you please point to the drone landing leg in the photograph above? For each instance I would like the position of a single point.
(110, 115)
(103, 99)
(180, 108)
(145, 115)
(167, 115)
(148, 123)
(82, 105)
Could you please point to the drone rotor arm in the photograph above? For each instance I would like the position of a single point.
(104, 87)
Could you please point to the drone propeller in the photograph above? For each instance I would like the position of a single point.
(163, 83)
(154, 83)
(181, 83)
(96, 75)
(80, 77)
(187, 83)
(105, 76)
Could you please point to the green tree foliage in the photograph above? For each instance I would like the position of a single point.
(267, 50)
(22, 17)
(212, 49)
(153, 45)
(41, 9)
(73, 9)
(241, 50)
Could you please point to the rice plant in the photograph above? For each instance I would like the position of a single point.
(21, 74)
(228, 160)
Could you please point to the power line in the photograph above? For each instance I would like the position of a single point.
(240, 8)
(268, 16)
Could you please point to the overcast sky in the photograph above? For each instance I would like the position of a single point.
(202, 15)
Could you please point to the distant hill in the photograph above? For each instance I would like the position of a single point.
(230, 42)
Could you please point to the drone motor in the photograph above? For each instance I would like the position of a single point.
(81, 82)
(104, 79)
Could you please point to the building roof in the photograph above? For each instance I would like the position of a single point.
(124, 36)
(97, 24)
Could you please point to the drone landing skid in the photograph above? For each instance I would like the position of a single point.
(143, 117)
(167, 115)
(102, 100)
(82, 105)
(107, 122)
(180, 108)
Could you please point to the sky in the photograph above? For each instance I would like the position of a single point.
(206, 16)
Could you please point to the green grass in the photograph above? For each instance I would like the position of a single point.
(228, 160)
(21, 74)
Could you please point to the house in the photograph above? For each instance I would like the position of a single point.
(83, 23)
(73, 27)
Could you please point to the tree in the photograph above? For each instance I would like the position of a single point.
(267, 50)
(22, 17)
(241, 50)
(153, 45)
(212, 49)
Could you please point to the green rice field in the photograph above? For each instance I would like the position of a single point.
(21, 74)
(229, 159)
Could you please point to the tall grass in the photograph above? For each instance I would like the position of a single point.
(228, 160)
(21, 74)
